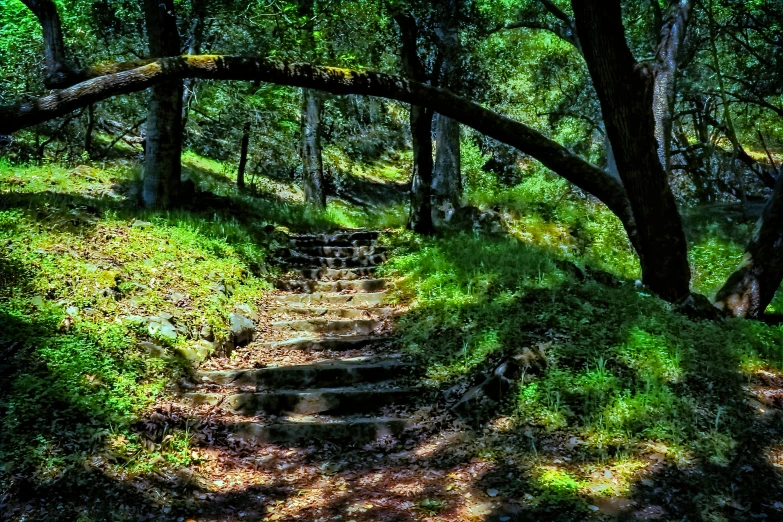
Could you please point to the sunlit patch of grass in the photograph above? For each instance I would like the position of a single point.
(712, 261)
(623, 369)
(394, 167)
(282, 203)
(345, 215)
(80, 269)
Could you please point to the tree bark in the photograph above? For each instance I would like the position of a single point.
(673, 30)
(312, 160)
(88, 131)
(446, 174)
(59, 73)
(420, 217)
(447, 170)
(625, 90)
(194, 47)
(752, 286)
(551, 154)
(162, 164)
(244, 145)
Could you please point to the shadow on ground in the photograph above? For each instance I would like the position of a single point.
(667, 413)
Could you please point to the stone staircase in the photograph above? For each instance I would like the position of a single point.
(321, 366)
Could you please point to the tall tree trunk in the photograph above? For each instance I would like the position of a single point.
(752, 286)
(611, 163)
(420, 218)
(243, 155)
(58, 70)
(88, 131)
(625, 90)
(446, 174)
(447, 170)
(312, 161)
(162, 164)
(194, 48)
(673, 31)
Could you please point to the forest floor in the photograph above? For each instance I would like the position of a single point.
(634, 411)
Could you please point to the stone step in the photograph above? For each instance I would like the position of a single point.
(330, 326)
(312, 242)
(343, 431)
(337, 313)
(336, 401)
(311, 287)
(334, 274)
(334, 239)
(321, 375)
(332, 299)
(334, 344)
(303, 260)
(337, 251)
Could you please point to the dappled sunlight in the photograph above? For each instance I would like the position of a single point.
(634, 394)
(382, 261)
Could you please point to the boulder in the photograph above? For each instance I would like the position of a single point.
(241, 329)
(196, 353)
(206, 333)
(161, 327)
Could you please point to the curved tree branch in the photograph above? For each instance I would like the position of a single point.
(586, 176)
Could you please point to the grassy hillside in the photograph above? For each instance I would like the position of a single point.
(84, 275)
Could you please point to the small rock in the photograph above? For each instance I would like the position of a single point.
(141, 224)
(154, 350)
(241, 328)
(206, 333)
(481, 509)
(330, 468)
(492, 492)
(196, 353)
(162, 328)
(245, 310)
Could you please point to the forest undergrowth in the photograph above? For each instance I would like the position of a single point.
(631, 396)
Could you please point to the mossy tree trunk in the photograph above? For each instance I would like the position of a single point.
(123, 78)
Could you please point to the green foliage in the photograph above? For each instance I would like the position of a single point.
(622, 368)
(80, 269)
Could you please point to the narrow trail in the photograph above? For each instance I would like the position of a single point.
(319, 417)
(321, 368)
